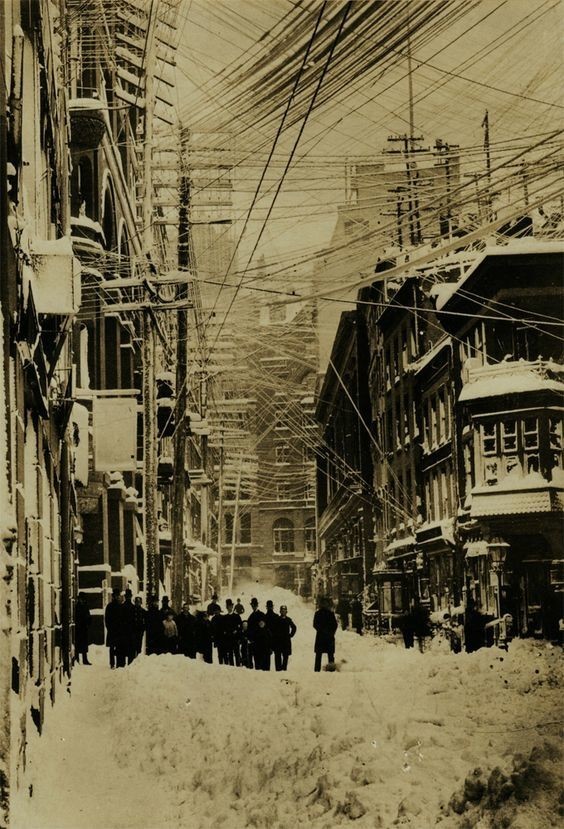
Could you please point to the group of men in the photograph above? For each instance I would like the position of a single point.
(126, 622)
(249, 643)
(242, 642)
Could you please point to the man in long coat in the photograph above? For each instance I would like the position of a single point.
(282, 644)
(325, 623)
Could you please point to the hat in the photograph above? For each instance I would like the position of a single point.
(270, 603)
(116, 591)
(228, 602)
(254, 601)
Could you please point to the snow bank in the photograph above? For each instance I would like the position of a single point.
(389, 739)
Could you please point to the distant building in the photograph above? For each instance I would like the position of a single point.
(345, 494)
(264, 412)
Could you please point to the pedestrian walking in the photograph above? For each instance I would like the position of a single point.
(356, 616)
(282, 645)
(325, 623)
(239, 608)
(186, 626)
(204, 641)
(170, 633)
(111, 620)
(139, 625)
(82, 621)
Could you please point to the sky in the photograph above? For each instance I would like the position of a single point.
(489, 58)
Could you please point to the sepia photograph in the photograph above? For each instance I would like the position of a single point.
(281, 392)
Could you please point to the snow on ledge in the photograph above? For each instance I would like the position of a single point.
(513, 377)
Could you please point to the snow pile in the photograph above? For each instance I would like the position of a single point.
(392, 738)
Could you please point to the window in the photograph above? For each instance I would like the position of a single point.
(555, 441)
(468, 468)
(280, 415)
(531, 443)
(396, 361)
(277, 313)
(404, 350)
(434, 422)
(309, 536)
(308, 453)
(479, 342)
(406, 418)
(228, 528)
(245, 528)
(489, 439)
(282, 453)
(509, 436)
(283, 535)
(282, 491)
(442, 417)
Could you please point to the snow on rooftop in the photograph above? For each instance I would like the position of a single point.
(513, 377)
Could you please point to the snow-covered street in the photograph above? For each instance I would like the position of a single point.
(391, 739)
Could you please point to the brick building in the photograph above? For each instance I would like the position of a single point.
(345, 502)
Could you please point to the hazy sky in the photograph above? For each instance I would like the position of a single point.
(500, 50)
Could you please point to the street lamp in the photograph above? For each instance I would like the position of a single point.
(498, 552)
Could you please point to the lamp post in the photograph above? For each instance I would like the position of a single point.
(498, 553)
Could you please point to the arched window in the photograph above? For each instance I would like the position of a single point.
(283, 536)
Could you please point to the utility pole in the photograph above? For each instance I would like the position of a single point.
(235, 522)
(486, 126)
(443, 150)
(220, 511)
(204, 494)
(149, 378)
(179, 505)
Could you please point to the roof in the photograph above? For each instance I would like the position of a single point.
(519, 494)
(516, 248)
